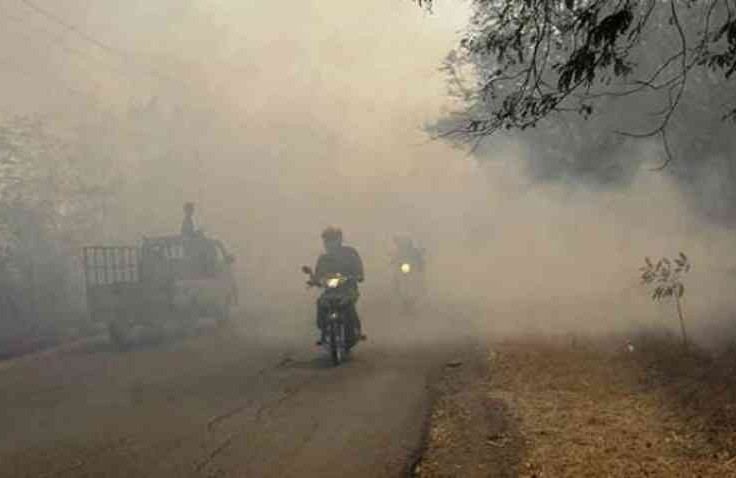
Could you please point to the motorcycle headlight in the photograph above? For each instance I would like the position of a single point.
(405, 268)
(333, 282)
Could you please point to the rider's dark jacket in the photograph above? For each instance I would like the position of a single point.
(344, 260)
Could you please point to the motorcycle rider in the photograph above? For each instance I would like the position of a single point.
(338, 259)
(407, 251)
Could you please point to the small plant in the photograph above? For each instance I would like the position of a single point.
(666, 279)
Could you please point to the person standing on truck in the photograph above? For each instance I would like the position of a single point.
(187, 226)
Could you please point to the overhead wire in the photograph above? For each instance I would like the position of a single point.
(124, 55)
(55, 40)
(108, 48)
(71, 27)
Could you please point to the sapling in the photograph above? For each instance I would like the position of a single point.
(665, 277)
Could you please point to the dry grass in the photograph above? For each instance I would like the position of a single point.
(587, 411)
(471, 434)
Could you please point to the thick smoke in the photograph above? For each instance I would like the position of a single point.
(278, 123)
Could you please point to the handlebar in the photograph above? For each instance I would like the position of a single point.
(312, 282)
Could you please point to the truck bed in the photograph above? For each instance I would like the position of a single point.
(114, 284)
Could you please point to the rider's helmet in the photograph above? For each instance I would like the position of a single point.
(189, 208)
(332, 234)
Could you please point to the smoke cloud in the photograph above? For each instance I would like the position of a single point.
(279, 122)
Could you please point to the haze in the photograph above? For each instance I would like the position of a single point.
(283, 120)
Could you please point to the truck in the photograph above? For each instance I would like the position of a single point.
(162, 284)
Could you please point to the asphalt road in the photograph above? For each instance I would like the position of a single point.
(230, 402)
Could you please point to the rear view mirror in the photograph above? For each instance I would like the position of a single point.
(307, 270)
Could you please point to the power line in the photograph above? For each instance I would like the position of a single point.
(72, 28)
(108, 48)
(89, 38)
(55, 38)
(80, 54)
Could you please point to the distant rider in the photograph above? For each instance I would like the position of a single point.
(338, 259)
(406, 251)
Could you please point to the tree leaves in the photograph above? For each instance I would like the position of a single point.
(666, 276)
(539, 57)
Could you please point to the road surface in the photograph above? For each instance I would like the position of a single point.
(230, 402)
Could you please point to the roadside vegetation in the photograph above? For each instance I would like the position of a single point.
(544, 409)
(65, 184)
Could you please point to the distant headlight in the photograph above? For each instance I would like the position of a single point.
(333, 282)
(405, 268)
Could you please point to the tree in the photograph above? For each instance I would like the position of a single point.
(663, 63)
(47, 208)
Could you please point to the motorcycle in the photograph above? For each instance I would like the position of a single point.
(408, 282)
(339, 292)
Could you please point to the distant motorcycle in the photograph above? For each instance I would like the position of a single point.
(339, 292)
(408, 282)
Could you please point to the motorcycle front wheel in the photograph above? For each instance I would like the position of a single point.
(338, 350)
(335, 354)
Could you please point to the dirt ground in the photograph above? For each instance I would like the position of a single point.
(538, 409)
